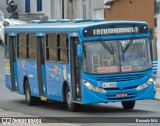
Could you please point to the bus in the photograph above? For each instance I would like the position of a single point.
(80, 62)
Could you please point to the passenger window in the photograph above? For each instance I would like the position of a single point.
(62, 47)
(51, 47)
(21, 46)
(6, 46)
(31, 46)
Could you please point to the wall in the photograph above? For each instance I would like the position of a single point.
(53, 8)
(97, 8)
(20, 9)
(142, 10)
(21, 6)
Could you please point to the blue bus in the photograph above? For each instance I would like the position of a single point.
(80, 62)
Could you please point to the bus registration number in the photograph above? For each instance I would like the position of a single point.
(122, 95)
(109, 85)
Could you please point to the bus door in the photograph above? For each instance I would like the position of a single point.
(41, 65)
(75, 68)
(13, 61)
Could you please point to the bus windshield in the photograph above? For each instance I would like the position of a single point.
(113, 57)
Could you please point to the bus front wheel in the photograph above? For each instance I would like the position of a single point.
(69, 102)
(128, 104)
(30, 100)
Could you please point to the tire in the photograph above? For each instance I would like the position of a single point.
(128, 104)
(30, 100)
(69, 102)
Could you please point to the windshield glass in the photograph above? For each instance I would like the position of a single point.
(113, 57)
(101, 57)
(136, 57)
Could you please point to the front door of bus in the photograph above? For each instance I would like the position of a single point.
(75, 68)
(41, 65)
(13, 62)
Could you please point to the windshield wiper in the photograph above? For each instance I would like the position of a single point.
(106, 46)
(128, 45)
(122, 52)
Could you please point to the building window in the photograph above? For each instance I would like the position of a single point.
(6, 46)
(51, 47)
(31, 46)
(39, 5)
(21, 46)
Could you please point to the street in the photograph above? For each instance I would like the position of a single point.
(16, 102)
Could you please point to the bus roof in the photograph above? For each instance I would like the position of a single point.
(62, 26)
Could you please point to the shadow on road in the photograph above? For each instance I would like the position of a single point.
(85, 109)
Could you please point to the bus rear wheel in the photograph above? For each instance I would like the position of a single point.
(30, 100)
(69, 102)
(128, 104)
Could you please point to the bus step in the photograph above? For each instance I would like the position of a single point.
(77, 102)
(43, 98)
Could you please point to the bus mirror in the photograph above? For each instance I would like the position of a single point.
(79, 51)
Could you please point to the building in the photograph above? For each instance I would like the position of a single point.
(57, 9)
(141, 10)
(70, 9)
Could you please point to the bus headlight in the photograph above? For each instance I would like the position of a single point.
(145, 85)
(93, 88)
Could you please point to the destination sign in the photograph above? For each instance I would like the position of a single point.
(115, 30)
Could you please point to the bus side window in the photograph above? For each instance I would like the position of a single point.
(51, 47)
(6, 46)
(31, 46)
(21, 46)
(62, 45)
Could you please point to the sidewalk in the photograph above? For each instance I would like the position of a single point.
(157, 96)
(8, 114)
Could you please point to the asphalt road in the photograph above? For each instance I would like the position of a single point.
(16, 102)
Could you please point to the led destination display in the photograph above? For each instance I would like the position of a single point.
(115, 30)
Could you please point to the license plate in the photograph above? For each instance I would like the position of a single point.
(109, 85)
(121, 95)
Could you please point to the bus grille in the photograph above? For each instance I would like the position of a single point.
(115, 89)
(121, 78)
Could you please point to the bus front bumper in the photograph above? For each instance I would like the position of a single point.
(90, 97)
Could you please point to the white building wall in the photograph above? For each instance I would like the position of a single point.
(97, 8)
(21, 5)
(92, 6)
(58, 9)
(46, 8)
(33, 6)
(53, 8)
(158, 42)
(98, 13)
